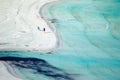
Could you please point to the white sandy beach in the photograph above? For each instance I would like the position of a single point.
(5, 75)
(19, 22)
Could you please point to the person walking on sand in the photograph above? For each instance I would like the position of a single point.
(44, 29)
(38, 28)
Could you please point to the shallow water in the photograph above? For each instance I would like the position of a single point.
(90, 49)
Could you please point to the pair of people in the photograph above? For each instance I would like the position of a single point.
(40, 29)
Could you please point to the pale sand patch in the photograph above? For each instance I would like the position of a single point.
(19, 26)
(5, 75)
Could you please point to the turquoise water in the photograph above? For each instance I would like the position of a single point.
(90, 34)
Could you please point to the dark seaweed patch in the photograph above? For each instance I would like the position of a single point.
(40, 66)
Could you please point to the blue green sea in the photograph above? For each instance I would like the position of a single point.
(90, 50)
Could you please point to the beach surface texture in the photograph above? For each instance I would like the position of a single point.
(82, 38)
(23, 28)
